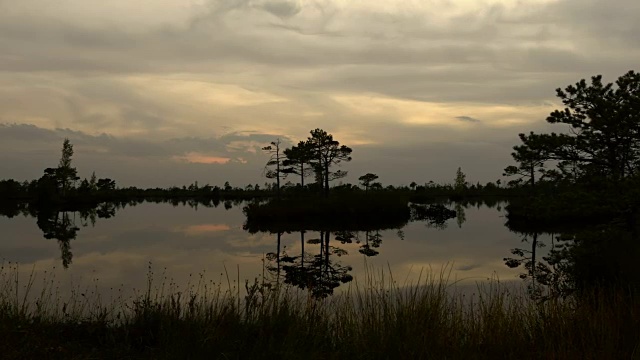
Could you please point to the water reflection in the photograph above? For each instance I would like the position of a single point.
(540, 273)
(61, 225)
(434, 215)
(317, 259)
(320, 271)
(460, 214)
(317, 271)
(561, 259)
(480, 202)
(195, 203)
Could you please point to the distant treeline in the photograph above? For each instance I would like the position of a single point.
(60, 186)
(45, 191)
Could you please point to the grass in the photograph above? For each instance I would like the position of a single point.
(374, 319)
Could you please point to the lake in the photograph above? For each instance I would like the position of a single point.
(182, 243)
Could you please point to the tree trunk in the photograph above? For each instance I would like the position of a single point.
(534, 246)
(278, 257)
(302, 249)
(278, 171)
(326, 178)
(533, 176)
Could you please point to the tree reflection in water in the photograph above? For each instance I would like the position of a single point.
(372, 241)
(543, 274)
(579, 258)
(317, 270)
(61, 225)
(318, 273)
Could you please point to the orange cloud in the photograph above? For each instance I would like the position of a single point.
(195, 230)
(198, 158)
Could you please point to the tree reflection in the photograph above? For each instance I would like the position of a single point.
(435, 215)
(460, 214)
(535, 270)
(574, 261)
(12, 209)
(274, 257)
(318, 273)
(372, 241)
(59, 225)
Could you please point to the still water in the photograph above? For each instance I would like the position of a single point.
(182, 243)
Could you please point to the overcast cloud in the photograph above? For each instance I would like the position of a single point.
(166, 93)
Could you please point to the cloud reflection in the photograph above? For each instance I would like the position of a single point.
(204, 229)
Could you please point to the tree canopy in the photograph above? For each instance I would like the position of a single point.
(460, 181)
(299, 160)
(602, 141)
(66, 175)
(317, 155)
(328, 152)
(367, 180)
(275, 160)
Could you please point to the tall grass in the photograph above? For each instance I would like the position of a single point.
(377, 318)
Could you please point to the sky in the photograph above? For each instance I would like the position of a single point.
(162, 93)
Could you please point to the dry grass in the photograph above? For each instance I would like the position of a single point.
(376, 319)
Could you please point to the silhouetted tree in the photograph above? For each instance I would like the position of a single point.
(367, 179)
(93, 182)
(106, 184)
(66, 175)
(328, 152)
(460, 181)
(530, 158)
(299, 160)
(276, 160)
(47, 186)
(318, 174)
(604, 139)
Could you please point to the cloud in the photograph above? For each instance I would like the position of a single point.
(409, 153)
(468, 267)
(282, 9)
(26, 150)
(26, 133)
(204, 229)
(467, 119)
(197, 158)
(218, 78)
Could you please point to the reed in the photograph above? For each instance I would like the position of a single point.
(377, 317)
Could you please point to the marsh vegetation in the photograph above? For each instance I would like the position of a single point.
(374, 318)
